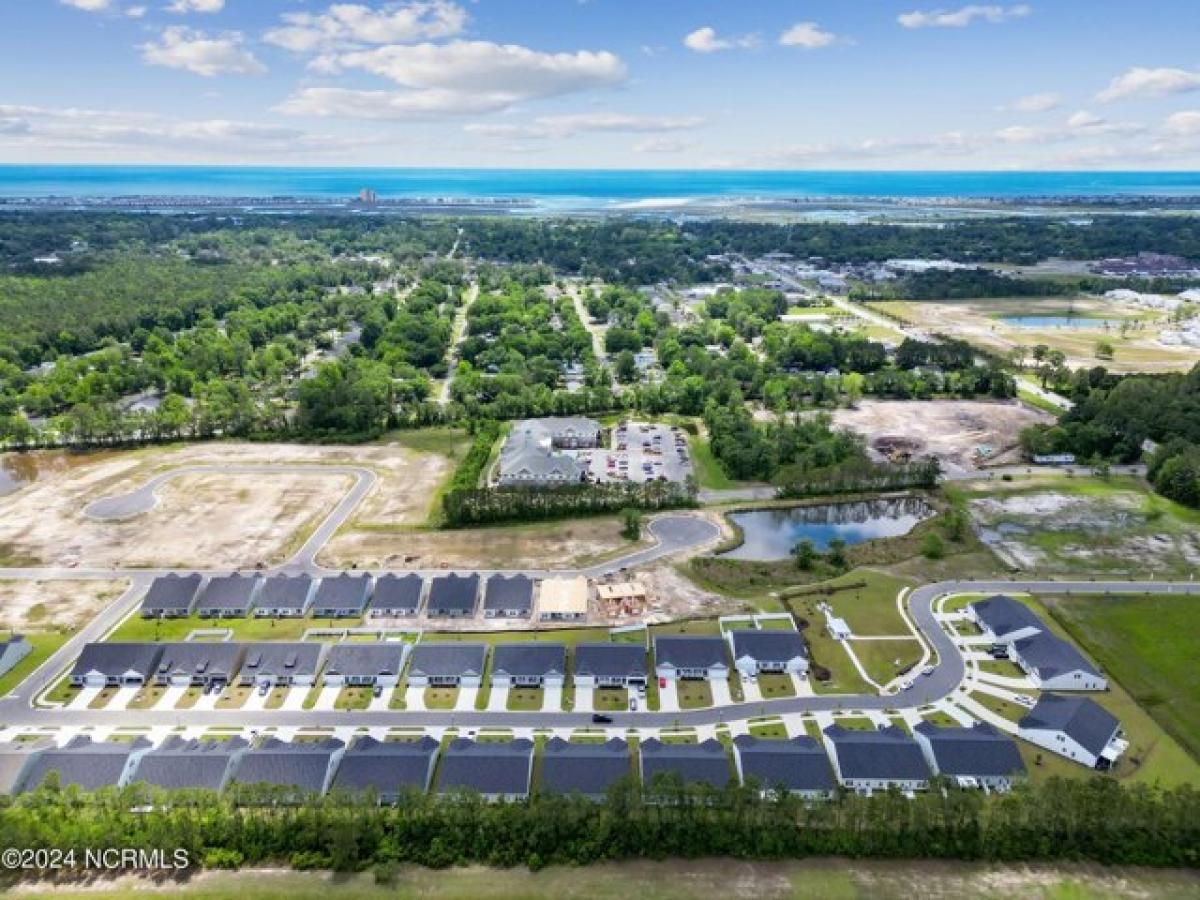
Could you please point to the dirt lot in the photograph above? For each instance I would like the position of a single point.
(949, 429)
(549, 545)
(978, 322)
(25, 605)
(201, 519)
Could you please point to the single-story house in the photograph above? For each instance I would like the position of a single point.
(563, 599)
(341, 597)
(171, 597)
(498, 770)
(281, 663)
(362, 664)
(87, 764)
(1003, 619)
(1075, 727)
(1054, 664)
(610, 665)
(979, 756)
(448, 664)
(199, 663)
(508, 597)
(681, 656)
(116, 665)
(756, 651)
(453, 596)
(877, 759)
(228, 597)
(796, 766)
(693, 764)
(396, 597)
(305, 766)
(182, 763)
(387, 768)
(531, 664)
(15, 759)
(584, 768)
(285, 597)
(13, 649)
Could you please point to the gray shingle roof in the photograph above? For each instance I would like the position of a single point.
(300, 764)
(616, 660)
(514, 592)
(83, 762)
(206, 658)
(285, 592)
(386, 767)
(1004, 615)
(396, 592)
(768, 645)
(446, 660)
(114, 660)
(181, 763)
(490, 768)
(885, 753)
(453, 593)
(14, 757)
(1049, 655)
(704, 763)
(171, 593)
(343, 591)
(529, 660)
(588, 769)
(275, 658)
(355, 659)
(1081, 718)
(980, 751)
(797, 764)
(228, 592)
(690, 652)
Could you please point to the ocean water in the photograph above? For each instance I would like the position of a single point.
(582, 187)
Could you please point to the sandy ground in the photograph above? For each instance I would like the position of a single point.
(949, 429)
(201, 519)
(973, 321)
(550, 545)
(26, 605)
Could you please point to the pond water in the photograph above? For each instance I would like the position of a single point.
(1058, 322)
(771, 533)
(16, 471)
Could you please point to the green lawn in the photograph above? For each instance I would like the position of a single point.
(694, 694)
(774, 731)
(1147, 643)
(44, 643)
(774, 686)
(884, 660)
(525, 699)
(440, 697)
(866, 599)
(354, 698)
(610, 699)
(135, 628)
(709, 473)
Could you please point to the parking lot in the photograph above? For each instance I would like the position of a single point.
(639, 453)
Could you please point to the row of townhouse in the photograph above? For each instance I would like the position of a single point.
(862, 761)
(350, 595)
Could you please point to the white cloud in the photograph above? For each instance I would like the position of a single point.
(457, 78)
(136, 12)
(194, 51)
(89, 5)
(1186, 122)
(1084, 119)
(662, 145)
(706, 40)
(808, 35)
(1140, 81)
(348, 24)
(961, 18)
(1036, 103)
(563, 126)
(197, 6)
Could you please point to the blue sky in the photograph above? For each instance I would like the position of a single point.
(793, 84)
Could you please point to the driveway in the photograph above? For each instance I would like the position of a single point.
(498, 698)
(668, 697)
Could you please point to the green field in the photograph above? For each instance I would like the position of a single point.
(135, 628)
(44, 643)
(709, 473)
(1149, 644)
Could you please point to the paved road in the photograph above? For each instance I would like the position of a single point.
(948, 673)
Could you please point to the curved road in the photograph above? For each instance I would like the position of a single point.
(948, 673)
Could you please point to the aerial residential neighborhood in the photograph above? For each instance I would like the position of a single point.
(603, 449)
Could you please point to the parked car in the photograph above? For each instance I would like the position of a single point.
(928, 670)
(598, 719)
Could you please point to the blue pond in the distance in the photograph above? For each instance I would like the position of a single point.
(1036, 321)
(770, 534)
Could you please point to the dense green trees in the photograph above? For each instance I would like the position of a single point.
(1092, 819)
